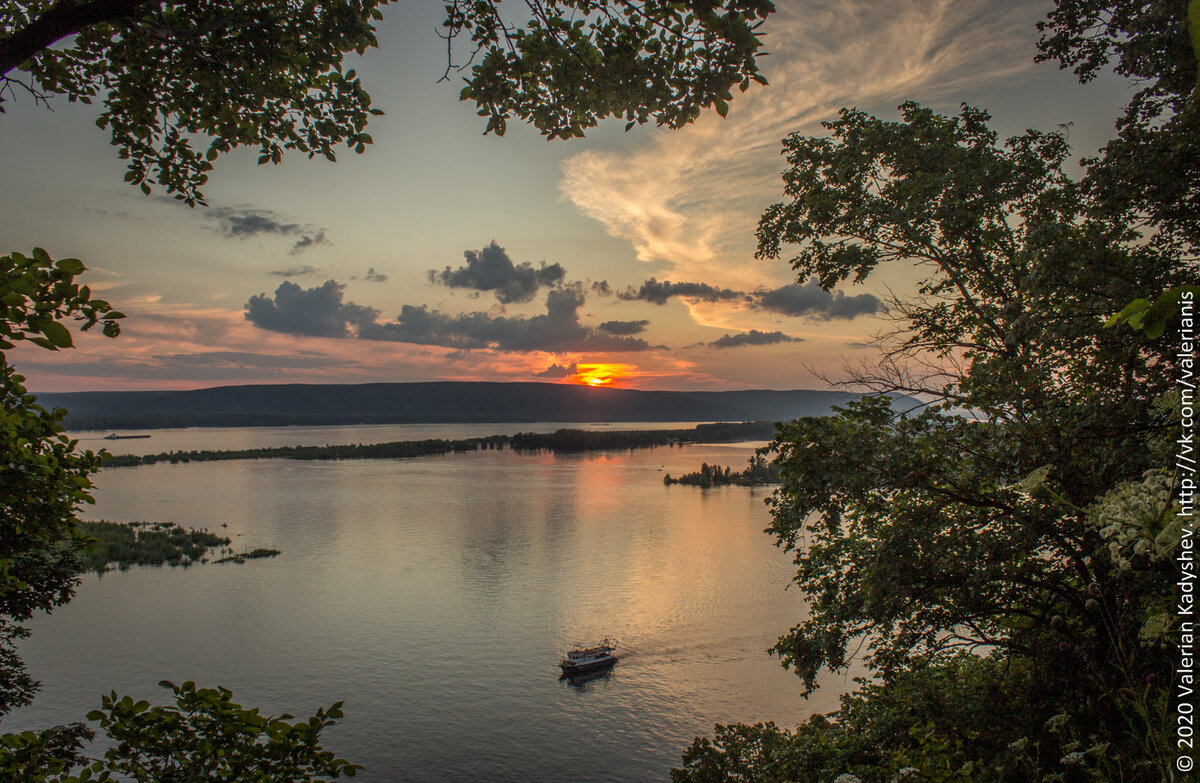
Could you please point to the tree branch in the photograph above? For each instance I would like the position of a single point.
(62, 20)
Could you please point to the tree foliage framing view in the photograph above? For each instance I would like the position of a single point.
(1002, 558)
(1002, 563)
(268, 74)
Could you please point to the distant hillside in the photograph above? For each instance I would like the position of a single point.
(440, 402)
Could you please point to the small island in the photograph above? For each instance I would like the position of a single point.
(121, 545)
(759, 473)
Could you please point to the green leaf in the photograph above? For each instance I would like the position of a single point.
(1142, 315)
(1035, 479)
(57, 334)
(1134, 310)
(71, 266)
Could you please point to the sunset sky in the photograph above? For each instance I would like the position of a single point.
(444, 254)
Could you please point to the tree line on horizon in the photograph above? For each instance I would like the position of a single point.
(563, 440)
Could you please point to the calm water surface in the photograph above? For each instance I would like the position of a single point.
(435, 596)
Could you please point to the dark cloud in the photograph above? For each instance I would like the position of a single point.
(797, 299)
(423, 326)
(305, 242)
(624, 327)
(558, 330)
(242, 222)
(320, 312)
(558, 371)
(753, 337)
(239, 222)
(317, 312)
(491, 269)
(375, 277)
(810, 299)
(296, 271)
(658, 293)
(601, 288)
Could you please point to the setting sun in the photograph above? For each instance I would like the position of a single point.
(602, 374)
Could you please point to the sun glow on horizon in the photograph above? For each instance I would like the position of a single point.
(597, 375)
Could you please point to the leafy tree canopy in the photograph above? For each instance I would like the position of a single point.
(1150, 172)
(181, 83)
(44, 479)
(1020, 278)
(1006, 548)
(205, 736)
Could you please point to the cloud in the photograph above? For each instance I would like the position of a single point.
(240, 222)
(558, 371)
(296, 271)
(601, 288)
(316, 312)
(243, 222)
(241, 359)
(305, 242)
(753, 337)
(375, 277)
(689, 199)
(658, 293)
(179, 369)
(556, 331)
(320, 312)
(491, 269)
(797, 299)
(809, 299)
(624, 327)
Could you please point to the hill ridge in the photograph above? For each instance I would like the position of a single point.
(446, 402)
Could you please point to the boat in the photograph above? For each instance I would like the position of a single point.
(585, 681)
(589, 658)
(115, 436)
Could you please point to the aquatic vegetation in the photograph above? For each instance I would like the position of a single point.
(253, 554)
(120, 545)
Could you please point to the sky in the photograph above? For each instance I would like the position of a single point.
(442, 253)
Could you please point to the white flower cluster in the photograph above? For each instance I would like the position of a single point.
(1137, 518)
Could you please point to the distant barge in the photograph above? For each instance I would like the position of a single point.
(115, 436)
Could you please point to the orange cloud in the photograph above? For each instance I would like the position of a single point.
(689, 200)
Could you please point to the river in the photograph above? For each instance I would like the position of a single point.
(435, 597)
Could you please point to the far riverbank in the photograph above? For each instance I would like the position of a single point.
(562, 440)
